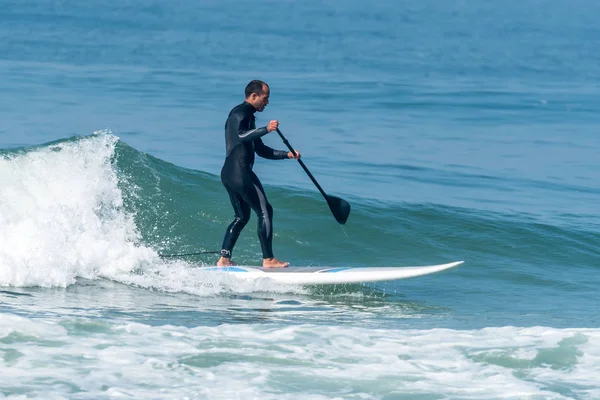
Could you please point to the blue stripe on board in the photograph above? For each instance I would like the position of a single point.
(336, 270)
(225, 269)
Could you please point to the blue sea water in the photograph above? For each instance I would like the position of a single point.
(457, 130)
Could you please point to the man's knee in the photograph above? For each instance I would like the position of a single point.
(242, 219)
(265, 212)
(269, 210)
(242, 213)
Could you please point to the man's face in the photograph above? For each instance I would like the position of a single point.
(260, 102)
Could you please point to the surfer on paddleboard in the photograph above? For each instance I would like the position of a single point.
(246, 193)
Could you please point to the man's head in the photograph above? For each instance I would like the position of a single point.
(257, 94)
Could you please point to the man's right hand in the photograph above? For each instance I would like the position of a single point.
(273, 125)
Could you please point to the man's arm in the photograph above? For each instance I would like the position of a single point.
(251, 134)
(267, 152)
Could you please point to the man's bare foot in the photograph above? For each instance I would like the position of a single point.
(225, 262)
(274, 263)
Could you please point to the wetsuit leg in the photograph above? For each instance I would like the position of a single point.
(242, 216)
(247, 192)
(263, 209)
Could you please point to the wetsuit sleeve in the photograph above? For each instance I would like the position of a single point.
(251, 134)
(267, 152)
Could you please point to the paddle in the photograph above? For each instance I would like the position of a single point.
(340, 208)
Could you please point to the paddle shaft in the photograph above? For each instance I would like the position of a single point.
(312, 178)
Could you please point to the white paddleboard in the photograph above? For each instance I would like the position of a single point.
(329, 275)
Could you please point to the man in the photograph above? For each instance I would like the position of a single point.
(245, 191)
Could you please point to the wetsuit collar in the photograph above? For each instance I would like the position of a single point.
(250, 106)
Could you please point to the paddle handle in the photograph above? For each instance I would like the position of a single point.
(312, 178)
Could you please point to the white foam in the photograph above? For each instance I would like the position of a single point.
(180, 276)
(62, 217)
(296, 362)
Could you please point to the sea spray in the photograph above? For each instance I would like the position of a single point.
(62, 216)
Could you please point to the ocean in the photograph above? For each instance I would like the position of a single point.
(457, 130)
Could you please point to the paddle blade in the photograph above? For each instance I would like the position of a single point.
(340, 208)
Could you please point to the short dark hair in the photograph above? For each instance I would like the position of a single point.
(255, 86)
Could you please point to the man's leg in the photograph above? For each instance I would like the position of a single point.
(242, 215)
(264, 211)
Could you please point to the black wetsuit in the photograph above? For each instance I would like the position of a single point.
(243, 139)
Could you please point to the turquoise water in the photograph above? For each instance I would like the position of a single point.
(456, 130)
